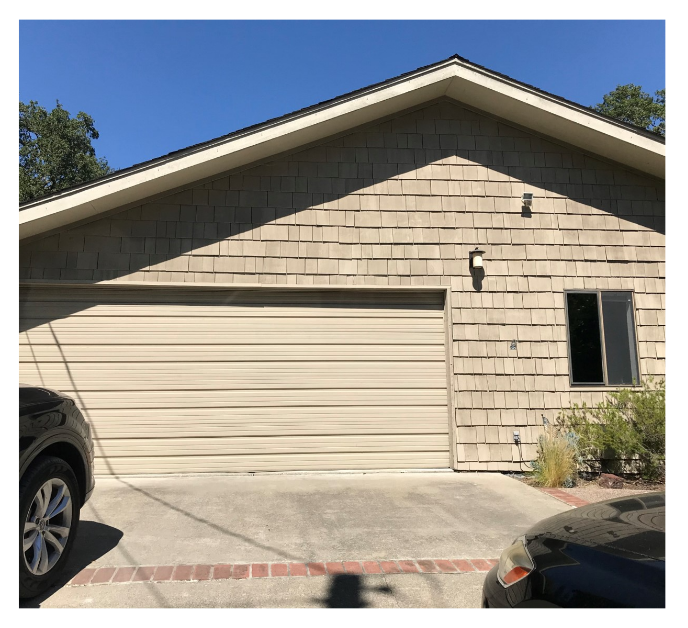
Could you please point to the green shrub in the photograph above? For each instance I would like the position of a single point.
(557, 459)
(626, 430)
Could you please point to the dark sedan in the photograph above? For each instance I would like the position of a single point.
(605, 555)
(55, 480)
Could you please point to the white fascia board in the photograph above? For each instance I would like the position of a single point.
(233, 152)
(549, 116)
(466, 84)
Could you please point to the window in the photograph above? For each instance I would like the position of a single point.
(601, 330)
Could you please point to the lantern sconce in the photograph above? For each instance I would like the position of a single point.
(475, 258)
(527, 199)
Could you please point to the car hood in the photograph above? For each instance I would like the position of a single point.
(33, 395)
(629, 526)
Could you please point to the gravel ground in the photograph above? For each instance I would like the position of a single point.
(592, 492)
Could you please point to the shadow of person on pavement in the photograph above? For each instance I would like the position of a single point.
(93, 540)
(345, 592)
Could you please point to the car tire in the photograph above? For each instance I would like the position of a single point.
(49, 503)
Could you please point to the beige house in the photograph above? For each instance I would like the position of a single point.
(306, 294)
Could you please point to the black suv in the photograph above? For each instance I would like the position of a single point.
(55, 480)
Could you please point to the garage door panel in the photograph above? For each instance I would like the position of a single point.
(231, 337)
(257, 413)
(139, 380)
(256, 463)
(212, 422)
(317, 416)
(38, 307)
(201, 381)
(35, 315)
(90, 321)
(277, 368)
(92, 375)
(276, 444)
(275, 398)
(69, 297)
(322, 424)
(227, 353)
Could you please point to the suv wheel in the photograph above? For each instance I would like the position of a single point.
(48, 520)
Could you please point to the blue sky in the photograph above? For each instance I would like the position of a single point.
(158, 86)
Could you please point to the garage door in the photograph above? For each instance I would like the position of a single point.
(193, 381)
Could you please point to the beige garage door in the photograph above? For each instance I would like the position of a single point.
(192, 381)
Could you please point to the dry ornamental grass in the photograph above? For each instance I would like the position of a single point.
(556, 462)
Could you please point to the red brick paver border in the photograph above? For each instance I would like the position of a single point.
(481, 565)
(408, 566)
(428, 566)
(298, 569)
(198, 573)
(565, 497)
(83, 577)
(143, 574)
(222, 572)
(161, 574)
(279, 570)
(202, 572)
(124, 574)
(240, 572)
(103, 575)
(389, 566)
(182, 572)
(446, 566)
(371, 566)
(259, 570)
(316, 569)
(353, 567)
(463, 565)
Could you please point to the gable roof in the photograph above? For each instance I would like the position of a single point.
(455, 78)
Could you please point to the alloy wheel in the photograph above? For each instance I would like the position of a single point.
(47, 526)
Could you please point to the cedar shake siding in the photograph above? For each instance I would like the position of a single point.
(401, 203)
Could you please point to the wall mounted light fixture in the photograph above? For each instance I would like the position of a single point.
(475, 258)
(527, 199)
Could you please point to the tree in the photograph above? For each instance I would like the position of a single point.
(631, 104)
(55, 150)
(660, 101)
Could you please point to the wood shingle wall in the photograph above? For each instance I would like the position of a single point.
(402, 203)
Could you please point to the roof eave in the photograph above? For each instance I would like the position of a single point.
(557, 118)
(469, 84)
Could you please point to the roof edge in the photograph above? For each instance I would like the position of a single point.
(331, 102)
(254, 128)
(456, 78)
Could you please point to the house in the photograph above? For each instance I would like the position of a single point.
(306, 294)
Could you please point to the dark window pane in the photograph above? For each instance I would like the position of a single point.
(619, 338)
(584, 336)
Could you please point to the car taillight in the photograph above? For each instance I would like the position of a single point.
(514, 564)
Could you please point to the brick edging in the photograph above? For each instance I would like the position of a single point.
(565, 497)
(242, 571)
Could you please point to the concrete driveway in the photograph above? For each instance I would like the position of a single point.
(360, 531)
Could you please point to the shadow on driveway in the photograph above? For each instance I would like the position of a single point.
(213, 526)
(93, 540)
(345, 592)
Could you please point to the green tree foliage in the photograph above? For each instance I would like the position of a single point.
(660, 99)
(631, 104)
(628, 426)
(55, 150)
